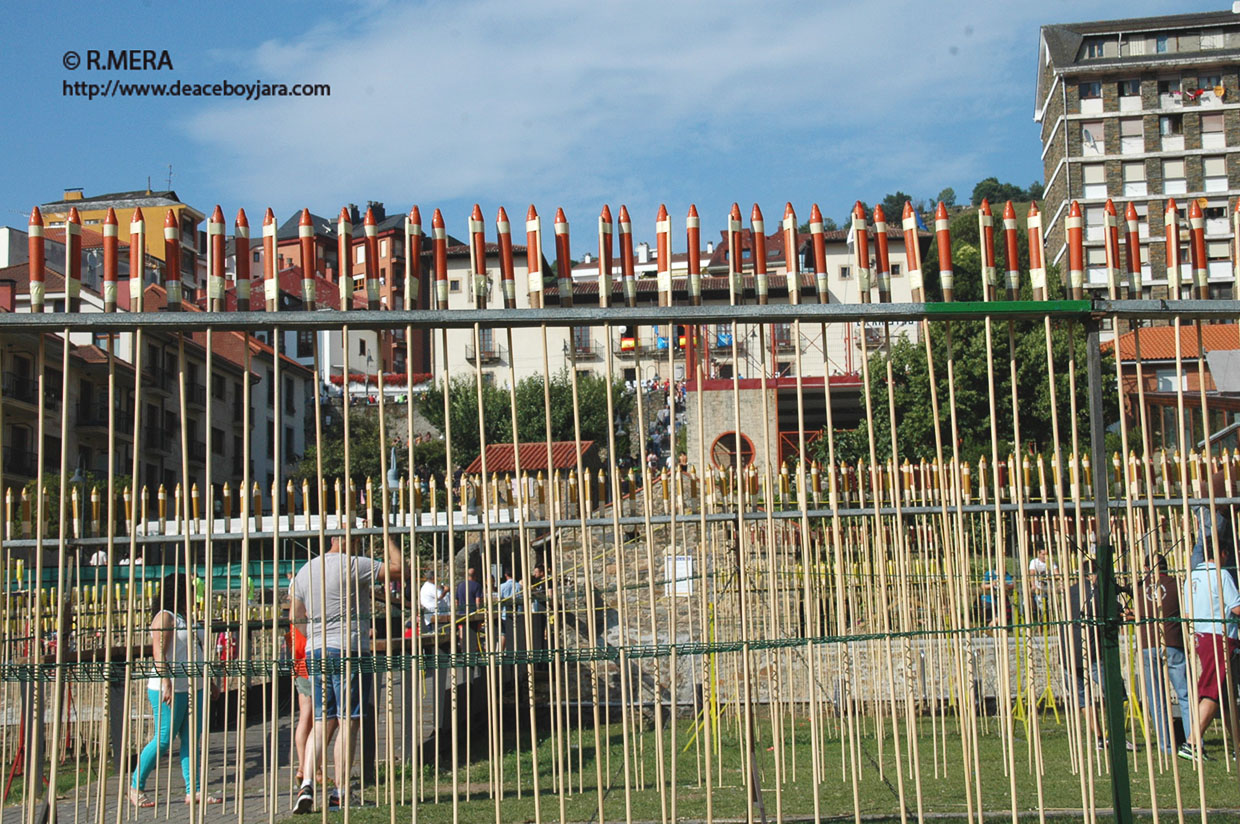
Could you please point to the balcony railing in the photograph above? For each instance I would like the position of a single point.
(586, 349)
(20, 461)
(492, 353)
(197, 451)
(196, 394)
(156, 438)
(19, 388)
(95, 416)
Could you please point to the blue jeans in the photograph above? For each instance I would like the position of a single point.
(1177, 675)
(170, 722)
(1156, 699)
(329, 687)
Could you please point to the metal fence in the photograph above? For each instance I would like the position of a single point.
(801, 619)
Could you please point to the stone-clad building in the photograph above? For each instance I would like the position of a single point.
(1139, 110)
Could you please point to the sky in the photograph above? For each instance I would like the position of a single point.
(447, 103)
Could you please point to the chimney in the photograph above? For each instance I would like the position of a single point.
(586, 258)
(710, 247)
(8, 291)
(377, 207)
(354, 215)
(73, 194)
(643, 252)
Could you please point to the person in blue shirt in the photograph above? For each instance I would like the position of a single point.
(992, 613)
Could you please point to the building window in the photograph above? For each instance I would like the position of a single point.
(1095, 180)
(1096, 266)
(383, 247)
(219, 389)
(895, 270)
(290, 454)
(290, 396)
(1094, 216)
(1174, 182)
(1162, 44)
(845, 272)
(1094, 48)
(1215, 173)
(258, 256)
(730, 446)
(1171, 130)
(1131, 136)
(1212, 135)
(1090, 91)
(1092, 138)
(217, 441)
(454, 286)
(1212, 39)
(305, 343)
(1134, 179)
(1218, 259)
(1169, 92)
(1129, 88)
(361, 346)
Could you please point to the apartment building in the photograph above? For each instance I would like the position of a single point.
(1139, 110)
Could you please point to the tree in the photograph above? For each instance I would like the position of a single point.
(1035, 190)
(364, 450)
(948, 197)
(996, 192)
(893, 205)
(915, 421)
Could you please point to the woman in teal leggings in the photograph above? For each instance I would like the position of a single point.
(169, 692)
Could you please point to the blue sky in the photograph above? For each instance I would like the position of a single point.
(446, 103)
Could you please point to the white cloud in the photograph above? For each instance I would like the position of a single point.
(580, 103)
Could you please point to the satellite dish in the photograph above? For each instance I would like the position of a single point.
(1089, 139)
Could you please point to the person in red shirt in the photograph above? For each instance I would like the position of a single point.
(296, 641)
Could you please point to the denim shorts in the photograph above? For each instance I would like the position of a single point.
(329, 686)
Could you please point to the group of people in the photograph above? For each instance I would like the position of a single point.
(466, 606)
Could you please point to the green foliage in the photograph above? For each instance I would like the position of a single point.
(364, 448)
(51, 501)
(915, 419)
(996, 192)
(947, 197)
(531, 407)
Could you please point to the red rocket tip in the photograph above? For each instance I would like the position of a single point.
(74, 217)
(269, 217)
(1009, 211)
(788, 210)
(815, 214)
(415, 215)
(662, 215)
(985, 206)
(305, 218)
(437, 220)
(1033, 210)
(531, 213)
(344, 214)
(755, 213)
(1110, 206)
(605, 214)
(242, 220)
(908, 208)
(735, 214)
(878, 214)
(692, 210)
(1171, 207)
(476, 214)
(624, 213)
(369, 219)
(110, 218)
(170, 219)
(1194, 208)
(858, 210)
(1074, 210)
(1130, 212)
(940, 211)
(217, 216)
(36, 217)
(559, 215)
(502, 216)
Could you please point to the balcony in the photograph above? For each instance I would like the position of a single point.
(196, 394)
(156, 439)
(783, 342)
(95, 416)
(629, 347)
(197, 451)
(586, 349)
(20, 462)
(492, 353)
(158, 379)
(238, 406)
(18, 388)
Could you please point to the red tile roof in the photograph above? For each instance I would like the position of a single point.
(533, 457)
(90, 238)
(1158, 342)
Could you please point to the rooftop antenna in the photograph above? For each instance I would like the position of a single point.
(148, 184)
(169, 186)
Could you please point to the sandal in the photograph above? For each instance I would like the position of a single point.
(210, 799)
(140, 799)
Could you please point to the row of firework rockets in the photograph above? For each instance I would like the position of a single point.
(867, 279)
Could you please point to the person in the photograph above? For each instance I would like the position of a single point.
(1040, 572)
(1209, 526)
(1157, 600)
(99, 557)
(995, 613)
(539, 592)
(509, 596)
(469, 598)
(332, 597)
(169, 692)
(431, 597)
(1081, 647)
(1215, 603)
(304, 689)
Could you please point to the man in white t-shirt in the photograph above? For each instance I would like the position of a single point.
(432, 597)
(1040, 572)
(1215, 604)
(331, 597)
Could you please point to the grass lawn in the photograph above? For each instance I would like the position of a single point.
(942, 793)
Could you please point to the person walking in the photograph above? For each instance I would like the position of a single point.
(332, 597)
(168, 692)
(1215, 604)
(1158, 603)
